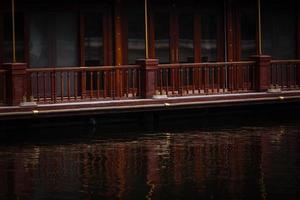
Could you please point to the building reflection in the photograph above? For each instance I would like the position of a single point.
(228, 165)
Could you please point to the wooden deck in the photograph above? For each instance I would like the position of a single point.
(146, 105)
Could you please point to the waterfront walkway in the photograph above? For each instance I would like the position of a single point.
(146, 105)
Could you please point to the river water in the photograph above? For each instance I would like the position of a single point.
(243, 162)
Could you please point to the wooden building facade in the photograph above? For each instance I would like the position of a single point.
(121, 49)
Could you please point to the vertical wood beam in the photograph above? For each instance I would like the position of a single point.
(229, 31)
(1, 36)
(14, 59)
(118, 32)
(298, 45)
(146, 30)
(259, 27)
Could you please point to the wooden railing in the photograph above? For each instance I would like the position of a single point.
(285, 74)
(50, 85)
(2, 86)
(205, 78)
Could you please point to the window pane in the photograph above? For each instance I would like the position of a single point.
(136, 34)
(53, 40)
(19, 22)
(279, 33)
(186, 38)
(66, 40)
(38, 40)
(93, 39)
(208, 38)
(248, 33)
(162, 38)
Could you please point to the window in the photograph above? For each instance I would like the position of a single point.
(136, 33)
(186, 38)
(279, 34)
(53, 40)
(248, 33)
(162, 37)
(209, 38)
(93, 39)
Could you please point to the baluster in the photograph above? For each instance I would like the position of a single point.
(289, 76)
(53, 86)
(213, 73)
(91, 84)
(45, 87)
(161, 81)
(199, 79)
(98, 84)
(75, 85)
(37, 87)
(68, 85)
(83, 84)
(139, 83)
(104, 85)
(243, 77)
(173, 80)
(218, 79)
(127, 83)
(113, 79)
(193, 78)
(62, 86)
(133, 82)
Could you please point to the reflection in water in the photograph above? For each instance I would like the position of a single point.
(243, 163)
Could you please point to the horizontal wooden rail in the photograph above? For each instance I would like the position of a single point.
(67, 84)
(205, 78)
(285, 74)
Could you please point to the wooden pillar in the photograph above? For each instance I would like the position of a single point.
(1, 37)
(148, 66)
(118, 32)
(229, 31)
(15, 82)
(262, 78)
(298, 46)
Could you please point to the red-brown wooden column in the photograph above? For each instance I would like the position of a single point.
(1, 37)
(118, 32)
(298, 47)
(118, 45)
(148, 66)
(229, 31)
(262, 72)
(15, 82)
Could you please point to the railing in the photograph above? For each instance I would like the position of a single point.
(2, 86)
(205, 78)
(285, 74)
(51, 85)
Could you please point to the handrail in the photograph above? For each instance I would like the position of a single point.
(207, 64)
(92, 68)
(285, 61)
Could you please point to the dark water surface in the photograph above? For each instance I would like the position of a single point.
(243, 162)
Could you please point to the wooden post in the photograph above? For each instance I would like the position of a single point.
(118, 32)
(148, 66)
(298, 48)
(15, 82)
(262, 78)
(229, 31)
